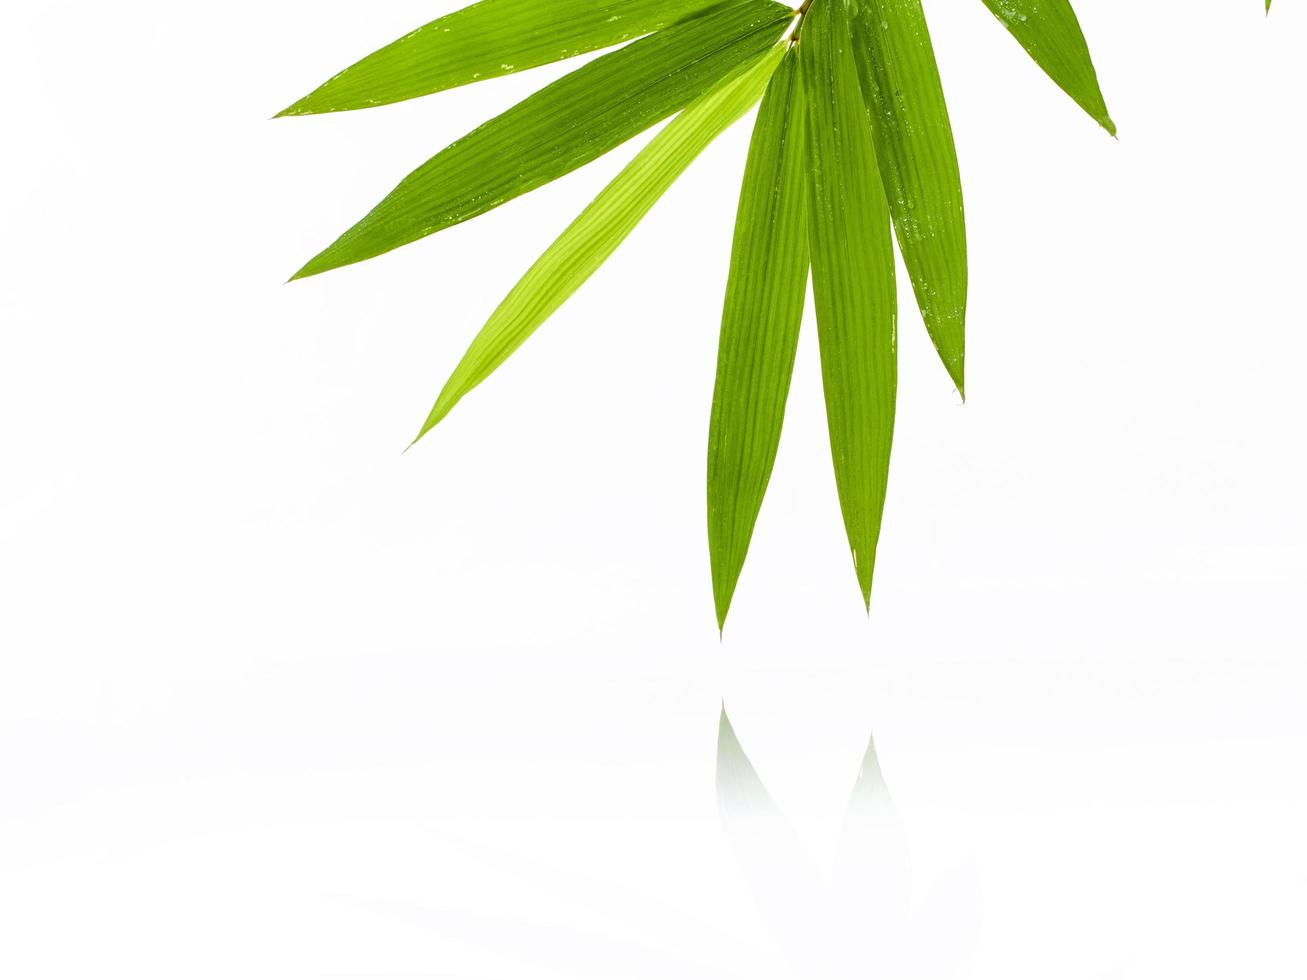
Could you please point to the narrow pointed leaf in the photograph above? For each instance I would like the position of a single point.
(852, 279)
(760, 328)
(489, 39)
(918, 164)
(563, 126)
(600, 228)
(1050, 32)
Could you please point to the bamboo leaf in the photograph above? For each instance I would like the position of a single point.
(1051, 34)
(765, 294)
(918, 164)
(601, 228)
(852, 277)
(489, 39)
(562, 127)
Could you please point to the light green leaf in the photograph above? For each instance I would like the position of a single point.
(852, 278)
(760, 328)
(563, 126)
(600, 228)
(489, 39)
(918, 164)
(1050, 32)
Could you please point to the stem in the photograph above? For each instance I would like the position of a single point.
(799, 15)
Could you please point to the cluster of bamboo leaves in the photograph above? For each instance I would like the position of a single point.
(851, 149)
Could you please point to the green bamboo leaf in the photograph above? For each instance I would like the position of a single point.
(563, 126)
(1050, 32)
(919, 165)
(852, 279)
(489, 39)
(600, 228)
(760, 328)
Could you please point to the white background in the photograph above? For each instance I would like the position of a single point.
(276, 701)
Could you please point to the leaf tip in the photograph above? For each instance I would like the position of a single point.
(427, 426)
(722, 600)
(438, 411)
(298, 108)
(725, 566)
(310, 105)
(322, 262)
(957, 374)
(864, 572)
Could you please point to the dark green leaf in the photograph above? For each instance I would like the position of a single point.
(600, 228)
(918, 163)
(1050, 32)
(488, 39)
(760, 328)
(852, 278)
(563, 126)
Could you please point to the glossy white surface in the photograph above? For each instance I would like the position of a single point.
(278, 702)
